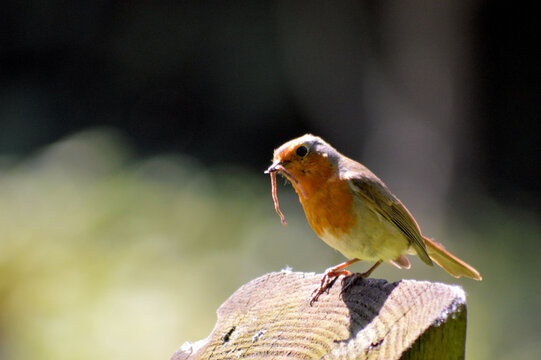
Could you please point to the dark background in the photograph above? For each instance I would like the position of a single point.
(134, 135)
(221, 80)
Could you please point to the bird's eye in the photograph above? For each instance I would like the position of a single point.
(302, 150)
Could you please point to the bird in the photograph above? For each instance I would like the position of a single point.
(354, 212)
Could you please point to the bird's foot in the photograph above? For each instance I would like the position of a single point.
(352, 279)
(327, 280)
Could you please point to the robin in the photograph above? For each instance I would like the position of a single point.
(353, 211)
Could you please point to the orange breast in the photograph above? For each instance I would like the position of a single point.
(330, 208)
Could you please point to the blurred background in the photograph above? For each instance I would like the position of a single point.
(133, 139)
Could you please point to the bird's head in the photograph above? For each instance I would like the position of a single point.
(306, 162)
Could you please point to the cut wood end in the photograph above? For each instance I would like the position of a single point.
(271, 316)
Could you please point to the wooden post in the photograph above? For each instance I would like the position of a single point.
(271, 318)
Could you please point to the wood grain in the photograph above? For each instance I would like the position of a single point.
(271, 318)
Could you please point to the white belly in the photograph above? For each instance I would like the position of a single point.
(373, 238)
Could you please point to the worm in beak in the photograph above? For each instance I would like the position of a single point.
(272, 172)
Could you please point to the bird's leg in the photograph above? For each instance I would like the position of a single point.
(364, 275)
(331, 274)
(367, 273)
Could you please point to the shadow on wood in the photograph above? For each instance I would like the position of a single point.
(271, 318)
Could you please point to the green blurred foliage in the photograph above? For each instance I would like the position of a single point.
(103, 255)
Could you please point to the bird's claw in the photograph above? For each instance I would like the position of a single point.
(327, 280)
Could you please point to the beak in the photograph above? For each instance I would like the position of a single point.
(273, 167)
(279, 166)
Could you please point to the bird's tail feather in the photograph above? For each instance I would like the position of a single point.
(449, 262)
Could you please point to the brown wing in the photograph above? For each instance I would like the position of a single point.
(371, 188)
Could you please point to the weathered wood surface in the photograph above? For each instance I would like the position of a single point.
(271, 318)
